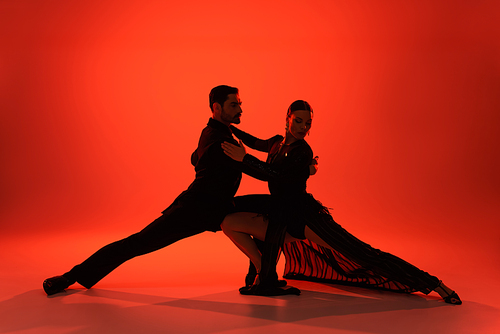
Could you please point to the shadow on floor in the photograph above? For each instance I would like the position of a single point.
(346, 308)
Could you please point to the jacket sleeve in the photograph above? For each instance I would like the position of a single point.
(254, 142)
(297, 160)
(194, 158)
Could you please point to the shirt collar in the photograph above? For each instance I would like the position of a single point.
(218, 125)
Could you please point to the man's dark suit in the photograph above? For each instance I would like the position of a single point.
(202, 207)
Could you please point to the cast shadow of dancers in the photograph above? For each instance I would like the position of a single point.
(99, 310)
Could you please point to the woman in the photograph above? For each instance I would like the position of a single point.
(291, 214)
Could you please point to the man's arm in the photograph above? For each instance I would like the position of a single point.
(263, 145)
(194, 158)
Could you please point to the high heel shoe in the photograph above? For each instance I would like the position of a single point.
(269, 288)
(451, 298)
(250, 280)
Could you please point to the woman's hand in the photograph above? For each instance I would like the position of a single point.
(313, 167)
(235, 152)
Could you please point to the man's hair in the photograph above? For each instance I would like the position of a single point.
(298, 105)
(219, 94)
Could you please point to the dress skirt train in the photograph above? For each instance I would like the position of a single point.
(351, 262)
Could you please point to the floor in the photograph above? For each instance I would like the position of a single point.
(164, 292)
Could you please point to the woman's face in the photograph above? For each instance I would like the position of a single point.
(299, 123)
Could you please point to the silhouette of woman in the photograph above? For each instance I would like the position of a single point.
(290, 215)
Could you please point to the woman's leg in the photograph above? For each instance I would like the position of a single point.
(444, 291)
(240, 227)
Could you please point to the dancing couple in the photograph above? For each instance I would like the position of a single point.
(288, 219)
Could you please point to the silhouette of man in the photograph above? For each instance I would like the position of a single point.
(201, 207)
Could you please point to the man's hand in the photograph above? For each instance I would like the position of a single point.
(313, 167)
(235, 152)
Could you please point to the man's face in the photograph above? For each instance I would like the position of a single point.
(231, 110)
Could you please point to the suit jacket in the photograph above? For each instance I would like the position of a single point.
(210, 196)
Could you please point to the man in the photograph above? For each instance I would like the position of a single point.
(201, 207)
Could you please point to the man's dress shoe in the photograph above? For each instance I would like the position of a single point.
(55, 284)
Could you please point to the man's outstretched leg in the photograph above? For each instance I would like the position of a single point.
(162, 232)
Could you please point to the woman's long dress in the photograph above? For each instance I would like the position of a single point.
(290, 208)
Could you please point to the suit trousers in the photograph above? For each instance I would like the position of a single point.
(176, 223)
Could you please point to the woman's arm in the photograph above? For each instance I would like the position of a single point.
(313, 167)
(295, 166)
(299, 159)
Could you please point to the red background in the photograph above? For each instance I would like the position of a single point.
(102, 103)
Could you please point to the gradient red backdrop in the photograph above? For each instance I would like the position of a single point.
(102, 104)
